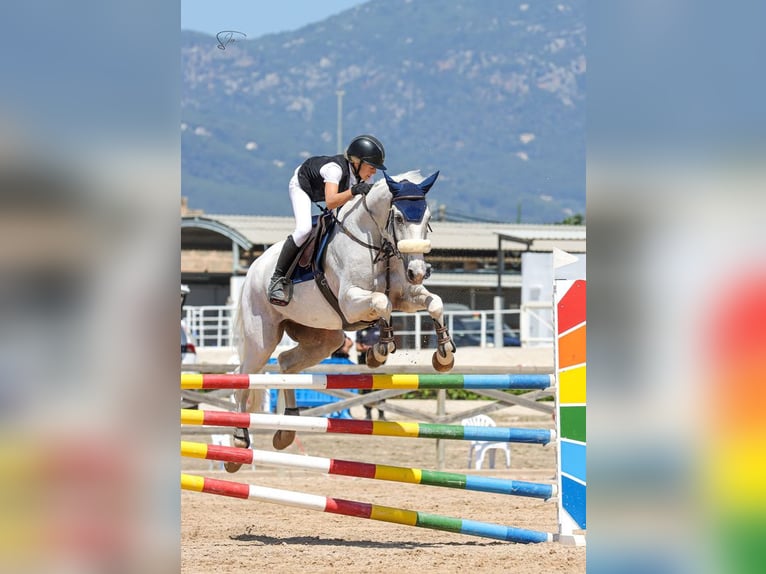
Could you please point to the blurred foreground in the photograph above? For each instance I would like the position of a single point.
(89, 189)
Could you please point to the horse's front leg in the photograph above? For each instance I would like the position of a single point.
(386, 342)
(359, 304)
(378, 353)
(418, 297)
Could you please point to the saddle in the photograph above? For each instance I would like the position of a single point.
(309, 264)
(309, 258)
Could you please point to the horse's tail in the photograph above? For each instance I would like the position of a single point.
(238, 328)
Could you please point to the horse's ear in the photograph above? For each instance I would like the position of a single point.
(393, 186)
(426, 184)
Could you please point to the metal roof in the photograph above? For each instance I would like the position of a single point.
(266, 230)
(216, 226)
(484, 237)
(567, 238)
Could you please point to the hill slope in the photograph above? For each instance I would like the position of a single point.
(490, 92)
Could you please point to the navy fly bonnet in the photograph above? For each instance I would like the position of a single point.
(410, 197)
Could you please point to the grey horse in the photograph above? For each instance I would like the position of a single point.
(374, 264)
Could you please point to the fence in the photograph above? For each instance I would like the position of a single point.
(211, 326)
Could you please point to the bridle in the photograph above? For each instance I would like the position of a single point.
(388, 248)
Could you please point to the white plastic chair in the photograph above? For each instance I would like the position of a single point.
(219, 440)
(480, 448)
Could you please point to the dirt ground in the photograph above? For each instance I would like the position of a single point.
(231, 536)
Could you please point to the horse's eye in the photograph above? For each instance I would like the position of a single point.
(399, 218)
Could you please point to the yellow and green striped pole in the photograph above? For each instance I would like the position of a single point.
(367, 470)
(197, 381)
(362, 510)
(365, 427)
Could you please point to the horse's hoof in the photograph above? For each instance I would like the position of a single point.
(282, 439)
(442, 367)
(241, 440)
(371, 361)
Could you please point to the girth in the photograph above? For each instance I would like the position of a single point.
(325, 225)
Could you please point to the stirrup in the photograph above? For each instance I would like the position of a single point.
(280, 291)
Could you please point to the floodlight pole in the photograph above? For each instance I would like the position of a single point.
(498, 302)
(500, 266)
(340, 93)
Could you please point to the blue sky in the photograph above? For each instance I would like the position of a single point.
(257, 17)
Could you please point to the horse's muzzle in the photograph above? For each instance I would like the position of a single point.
(417, 270)
(414, 245)
(415, 278)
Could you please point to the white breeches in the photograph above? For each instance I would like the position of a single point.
(302, 211)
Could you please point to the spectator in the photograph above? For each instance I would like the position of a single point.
(342, 352)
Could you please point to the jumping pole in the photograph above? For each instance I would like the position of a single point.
(365, 427)
(196, 381)
(362, 510)
(368, 470)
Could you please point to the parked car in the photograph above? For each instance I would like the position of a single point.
(466, 332)
(188, 346)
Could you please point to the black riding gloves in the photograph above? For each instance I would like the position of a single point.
(362, 187)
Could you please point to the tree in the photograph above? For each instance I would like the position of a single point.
(576, 219)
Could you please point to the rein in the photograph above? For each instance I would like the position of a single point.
(387, 248)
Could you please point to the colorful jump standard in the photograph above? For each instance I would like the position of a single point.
(362, 510)
(381, 428)
(373, 382)
(368, 470)
(571, 366)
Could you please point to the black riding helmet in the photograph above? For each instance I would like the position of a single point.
(368, 149)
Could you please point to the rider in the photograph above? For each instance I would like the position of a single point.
(332, 179)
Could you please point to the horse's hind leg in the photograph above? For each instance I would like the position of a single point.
(258, 340)
(314, 345)
(284, 438)
(246, 402)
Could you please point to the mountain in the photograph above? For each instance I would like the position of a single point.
(489, 92)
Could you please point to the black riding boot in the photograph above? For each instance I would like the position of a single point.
(280, 288)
